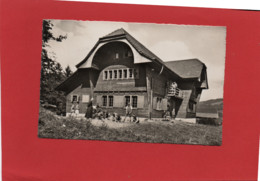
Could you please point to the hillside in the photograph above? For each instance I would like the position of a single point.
(211, 106)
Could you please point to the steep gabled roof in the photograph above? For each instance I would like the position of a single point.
(120, 34)
(186, 69)
(190, 68)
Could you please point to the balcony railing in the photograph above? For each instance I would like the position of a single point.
(176, 92)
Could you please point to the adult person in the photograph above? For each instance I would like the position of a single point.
(89, 112)
(128, 111)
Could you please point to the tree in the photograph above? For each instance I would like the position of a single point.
(52, 73)
(68, 71)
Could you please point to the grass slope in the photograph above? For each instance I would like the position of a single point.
(51, 126)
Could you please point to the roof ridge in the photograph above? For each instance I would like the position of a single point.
(113, 32)
(184, 60)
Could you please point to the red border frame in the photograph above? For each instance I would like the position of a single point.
(26, 157)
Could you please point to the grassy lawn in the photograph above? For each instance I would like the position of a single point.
(51, 126)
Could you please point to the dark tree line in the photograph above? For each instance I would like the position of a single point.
(52, 73)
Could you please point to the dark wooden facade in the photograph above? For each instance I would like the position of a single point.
(119, 69)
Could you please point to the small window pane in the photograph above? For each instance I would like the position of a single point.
(105, 75)
(127, 100)
(130, 73)
(104, 101)
(110, 74)
(125, 73)
(134, 101)
(117, 55)
(115, 74)
(74, 98)
(111, 101)
(120, 74)
(129, 53)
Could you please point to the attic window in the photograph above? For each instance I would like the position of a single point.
(128, 53)
(117, 55)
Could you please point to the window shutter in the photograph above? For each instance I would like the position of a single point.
(71, 98)
(99, 100)
(154, 102)
(119, 101)
(140, 101)
(164, 104)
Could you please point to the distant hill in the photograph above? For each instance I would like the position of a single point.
(211, 106)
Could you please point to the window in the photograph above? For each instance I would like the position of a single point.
(134, 101)
(120, 74)
(75, 98)
(105, 75)
(125, 73)
(115, 74)
(159, 103)
(111, 101)
(110, 74)
(104, 101)
(127, 100)
(117, 55)
(128, 53)
(130, 73)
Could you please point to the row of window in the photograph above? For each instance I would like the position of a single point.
(108, 101)
(127, 73)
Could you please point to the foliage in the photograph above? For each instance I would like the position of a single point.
(68, 71)
(51, 126)
(52, 73)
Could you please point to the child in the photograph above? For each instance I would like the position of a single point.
(135, 119)
(72, 109)
(77, 109)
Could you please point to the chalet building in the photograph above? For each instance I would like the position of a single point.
(119, 70)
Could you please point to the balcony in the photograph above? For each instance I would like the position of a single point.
(175, 92)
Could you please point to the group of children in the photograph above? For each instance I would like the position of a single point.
(97, 113)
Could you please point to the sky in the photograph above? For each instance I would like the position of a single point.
(168, 41)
